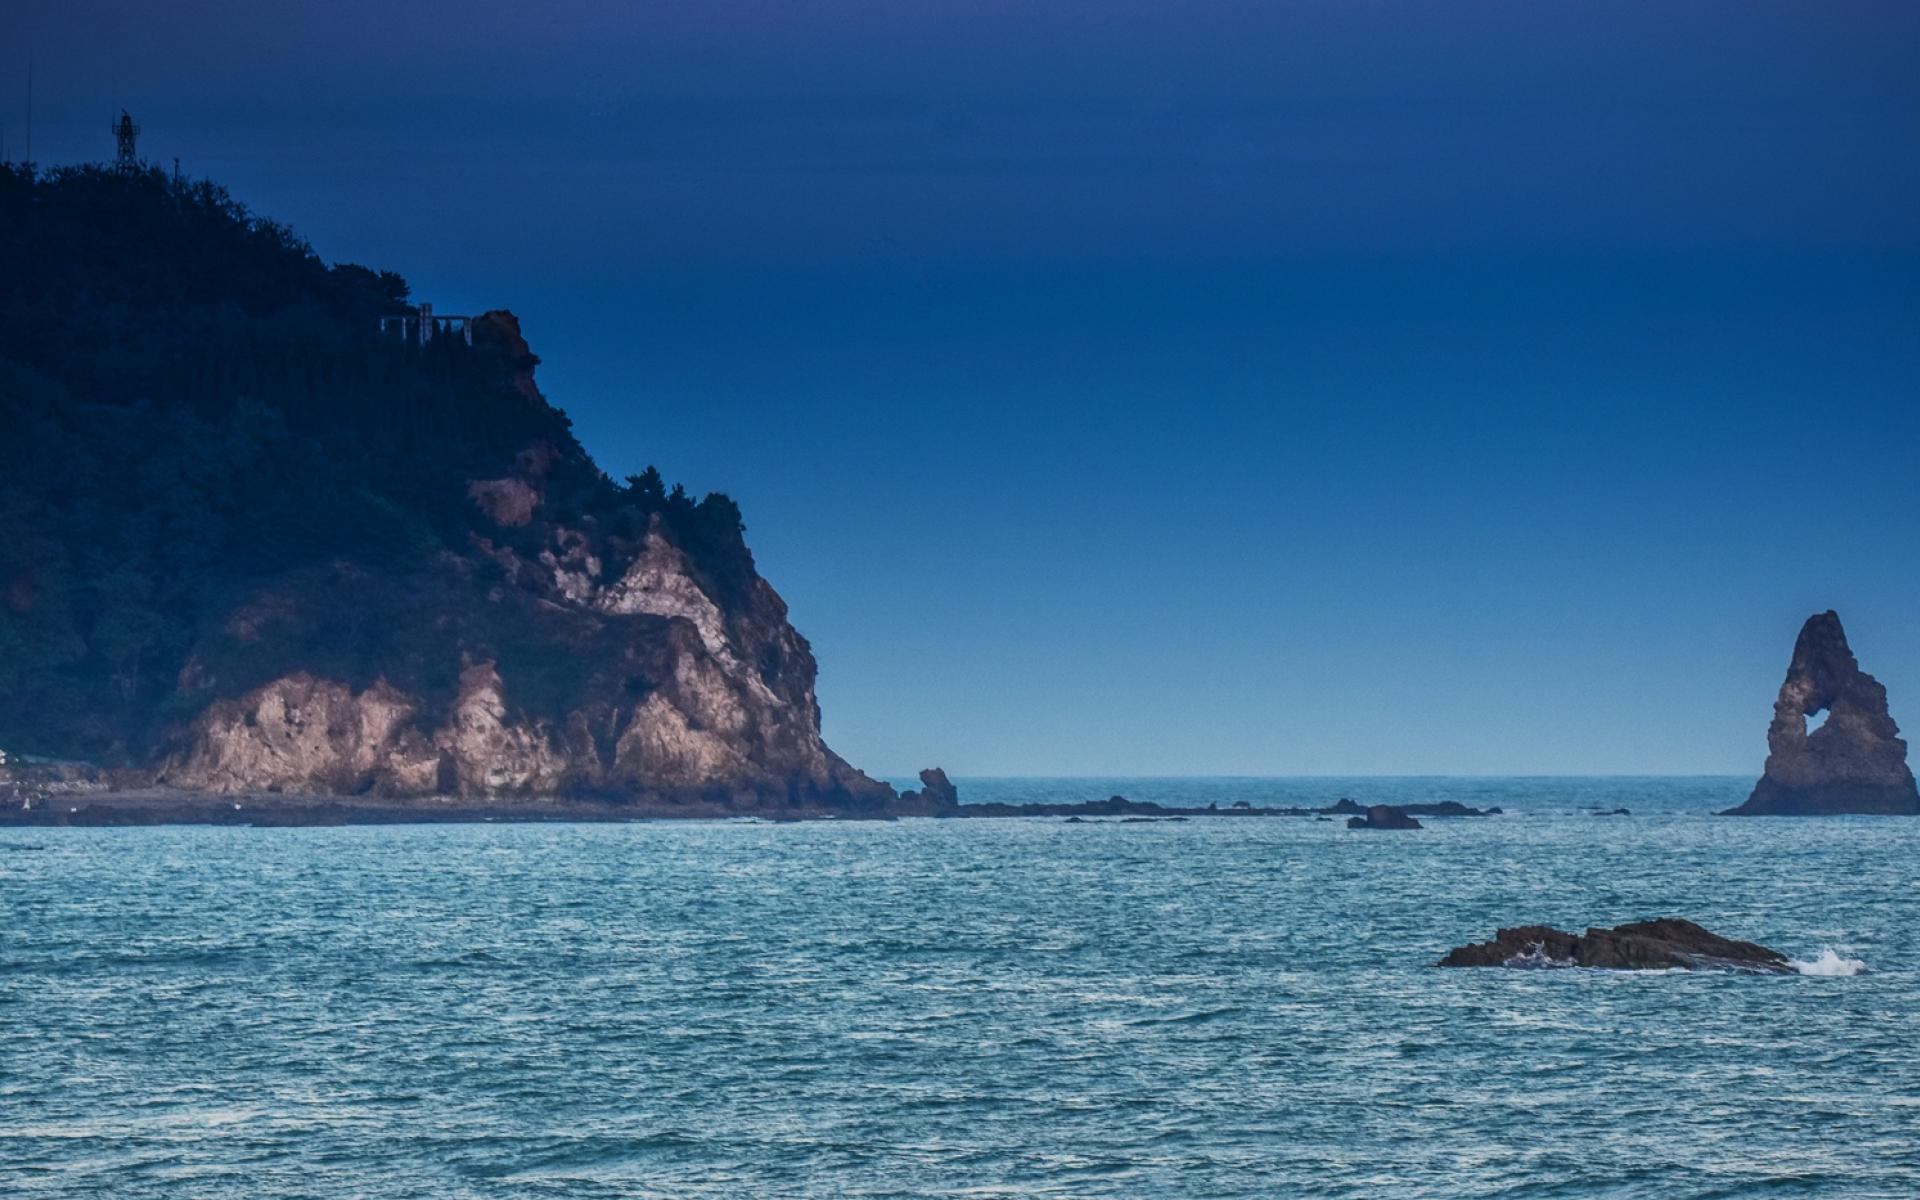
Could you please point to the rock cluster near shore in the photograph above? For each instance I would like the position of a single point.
(1668, 943)
(1120, 806)
(88, 796)
(936, 795)
(1854, 763)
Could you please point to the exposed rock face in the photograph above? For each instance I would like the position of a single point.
(570, 650)
(1384, 816)
(503, 328)
(508, 501)
(1856, 762)
(1661, 945)
(305, 734)
(627, 678)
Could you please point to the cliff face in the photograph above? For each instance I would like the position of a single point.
(556, 652)
(1856, 762)
(666, 706)
(263, 547)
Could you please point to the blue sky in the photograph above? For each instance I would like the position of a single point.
(1132, 388)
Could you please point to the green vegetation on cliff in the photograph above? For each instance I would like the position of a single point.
(193, 406)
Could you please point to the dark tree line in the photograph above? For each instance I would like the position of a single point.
(133, 289)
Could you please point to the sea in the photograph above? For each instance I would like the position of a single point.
(981, 1008)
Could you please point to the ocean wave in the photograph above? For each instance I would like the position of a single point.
(1829, 962)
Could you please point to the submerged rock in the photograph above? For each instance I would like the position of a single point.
(1854, 763)
(1668, 943)
(1384, 816)
(1440, 808)
(1447, 808)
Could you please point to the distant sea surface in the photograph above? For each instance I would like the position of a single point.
(1019, 1008)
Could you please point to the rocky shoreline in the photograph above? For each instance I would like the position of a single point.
(67, 797)
(171, 806)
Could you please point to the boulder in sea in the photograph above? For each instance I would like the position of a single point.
(937, 794)
(1854, 763)
(1666, 944)
(1384, 816)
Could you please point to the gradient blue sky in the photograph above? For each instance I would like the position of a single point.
(1148, 388)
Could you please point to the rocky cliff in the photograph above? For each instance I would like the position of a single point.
(598, 662)
(1856, 762)
(253, 545)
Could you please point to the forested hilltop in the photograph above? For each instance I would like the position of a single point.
(225, 485)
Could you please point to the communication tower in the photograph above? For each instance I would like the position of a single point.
(124, 134)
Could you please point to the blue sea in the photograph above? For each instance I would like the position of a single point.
(988, 1008)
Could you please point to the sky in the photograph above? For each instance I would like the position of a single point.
(1125, 388)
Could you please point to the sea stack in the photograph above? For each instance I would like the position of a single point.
(1856, 762)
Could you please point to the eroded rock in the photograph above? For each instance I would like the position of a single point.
(590, 658)
(1669, 943)
(1384, 816)
(936, 795)
(1854, 763)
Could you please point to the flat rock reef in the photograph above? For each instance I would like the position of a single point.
(1666, 944)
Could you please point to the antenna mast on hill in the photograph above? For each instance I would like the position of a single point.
(124, 134)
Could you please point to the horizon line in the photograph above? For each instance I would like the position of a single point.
(1356, 775)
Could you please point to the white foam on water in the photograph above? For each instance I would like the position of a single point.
(1830, 962)
(1536, 958)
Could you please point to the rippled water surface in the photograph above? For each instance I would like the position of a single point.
(960, 1008)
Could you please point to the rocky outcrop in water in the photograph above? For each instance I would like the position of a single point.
(1669, 943)
(1384, 816)
(1854, 763)
(1115, 806)
(1442, 808)
(936, 796)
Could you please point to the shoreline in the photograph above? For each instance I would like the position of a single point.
(82, 808)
